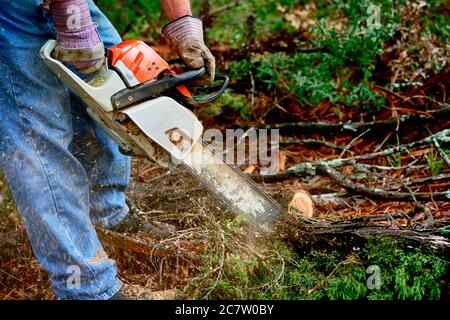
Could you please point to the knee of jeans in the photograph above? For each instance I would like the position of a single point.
(108, 219)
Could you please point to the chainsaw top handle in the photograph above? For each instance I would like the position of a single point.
(205, 95)
(168, 84)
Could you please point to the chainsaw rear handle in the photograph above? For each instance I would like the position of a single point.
(95, 90)
(167, 85)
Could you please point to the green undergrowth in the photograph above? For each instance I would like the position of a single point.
(359, 44)
(275, 271)
(350, 49)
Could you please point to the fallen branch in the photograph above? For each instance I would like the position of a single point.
(147, 246)
(338, 200)
(441, 151)
(305, 233)
(419, 181)
(257, 177)
(312, 142)
(441, 136)
(357, 128)
(376, 192)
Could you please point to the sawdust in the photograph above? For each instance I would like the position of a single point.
(230, 186)
(100, 256)
(146, 293)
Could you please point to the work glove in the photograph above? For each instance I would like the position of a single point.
(186, 33)
(78, 41)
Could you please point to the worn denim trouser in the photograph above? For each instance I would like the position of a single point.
(65, 174)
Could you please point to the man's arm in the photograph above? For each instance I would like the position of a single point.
(174, 9)
(186, 34)
(78, 42)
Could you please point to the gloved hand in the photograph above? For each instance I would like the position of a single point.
(186, 33)
(78, 41)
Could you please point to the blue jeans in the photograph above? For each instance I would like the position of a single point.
(65, 173)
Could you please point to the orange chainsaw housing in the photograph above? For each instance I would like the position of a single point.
(142, 61)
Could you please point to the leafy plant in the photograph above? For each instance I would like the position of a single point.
(395, 159)
(413, 274)
(435, 162)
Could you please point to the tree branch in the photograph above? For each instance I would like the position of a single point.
(376, 192)
(356, 128)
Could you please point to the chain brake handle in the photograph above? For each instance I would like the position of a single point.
(205, 94)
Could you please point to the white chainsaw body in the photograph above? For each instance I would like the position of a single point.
(163, 120)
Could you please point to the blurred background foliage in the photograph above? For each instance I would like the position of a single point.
(308, 53)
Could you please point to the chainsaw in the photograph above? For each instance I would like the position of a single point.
(138, 100)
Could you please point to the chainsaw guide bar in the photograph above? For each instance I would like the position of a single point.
(233, 187)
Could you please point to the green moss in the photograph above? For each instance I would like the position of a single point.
(280, 273)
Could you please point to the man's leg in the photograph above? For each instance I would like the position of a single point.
(108, 169)
(49, 184)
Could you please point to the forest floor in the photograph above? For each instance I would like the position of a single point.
(177, 203)
(364, 126)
